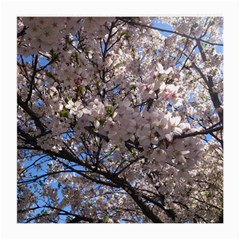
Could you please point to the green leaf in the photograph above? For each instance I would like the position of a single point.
(106, 218)
(81, 90)
(98, 83)
(64, 113)
(160, 77)
(75, 57)
(157, 134)
(117, 65)
(53, 54)
(133, 87)
(67, 99)
(68, 40)
(50, 75)
(124, 33)
(109, 110)
(102, 121)
(207, 195)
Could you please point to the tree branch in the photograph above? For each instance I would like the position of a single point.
(32, 79)
(203, 132)
(164, 30)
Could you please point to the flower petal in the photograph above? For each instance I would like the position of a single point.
(169, 137)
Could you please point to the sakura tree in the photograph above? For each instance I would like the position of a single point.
(120, 120)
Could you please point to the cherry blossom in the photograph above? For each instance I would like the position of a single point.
(119, 122)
